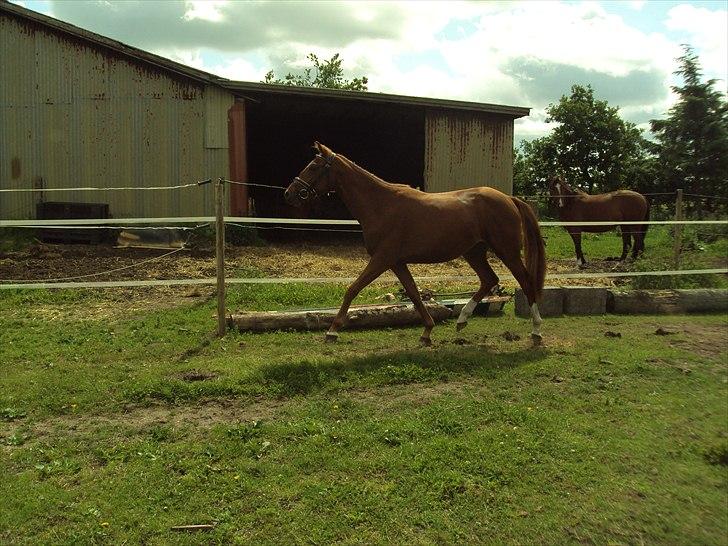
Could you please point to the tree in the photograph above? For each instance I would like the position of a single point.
(593, 147)
(533, 162)
(328, 74)
(692, 142)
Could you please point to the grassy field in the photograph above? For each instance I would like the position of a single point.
(116, 425)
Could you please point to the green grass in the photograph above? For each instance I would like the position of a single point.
(284, 439)
(704, 247)
(700, 243)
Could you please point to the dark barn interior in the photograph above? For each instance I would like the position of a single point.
(385, 139)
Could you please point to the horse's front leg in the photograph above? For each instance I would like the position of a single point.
(405, 277)
(373, 269)
(576, 237)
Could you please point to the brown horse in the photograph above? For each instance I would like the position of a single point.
(403, 225)
(617, 206)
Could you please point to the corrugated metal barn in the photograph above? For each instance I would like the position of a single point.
(80, 109)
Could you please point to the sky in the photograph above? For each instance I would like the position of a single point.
(518, 53)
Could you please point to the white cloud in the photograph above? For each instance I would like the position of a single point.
(516, 53)
(207, 10)
(238, 69)
(707, 32)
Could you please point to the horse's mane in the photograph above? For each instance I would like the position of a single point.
(569, 187)
(371, 175)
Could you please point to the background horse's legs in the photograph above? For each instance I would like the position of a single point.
(627, 233)
(576, 237)
(410, 287)
(640, 234)
(477, 259)
(373, 269)
(639, 240)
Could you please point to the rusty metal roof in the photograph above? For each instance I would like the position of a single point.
(315, 92)
(240, 87)
(104, 42)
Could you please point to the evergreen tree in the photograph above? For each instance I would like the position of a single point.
(692, 142)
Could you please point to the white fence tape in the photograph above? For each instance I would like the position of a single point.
(91, 188)
(299, 221)
(340, 280)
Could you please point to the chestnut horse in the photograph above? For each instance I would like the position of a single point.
(621, 205)
(402, 225)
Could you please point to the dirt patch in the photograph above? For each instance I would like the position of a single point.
(208, 413)
(195, 375)
(706, 341)
(43, 262)
(46, 262)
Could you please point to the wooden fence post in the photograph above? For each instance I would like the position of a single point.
(220, 255)
(677, 232)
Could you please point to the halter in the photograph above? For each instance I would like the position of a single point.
(308, 190)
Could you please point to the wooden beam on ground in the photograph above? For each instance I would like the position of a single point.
(364, 316)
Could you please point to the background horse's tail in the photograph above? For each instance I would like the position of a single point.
(642, 229)
(647, 217)
(535, 248)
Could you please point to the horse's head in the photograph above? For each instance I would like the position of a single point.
(314, 180)
(558, 188)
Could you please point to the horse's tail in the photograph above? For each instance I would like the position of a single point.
(642, 229)
(647, 216)
(535, 248)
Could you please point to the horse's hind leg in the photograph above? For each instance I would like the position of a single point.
(477, 259)
(639, 241)
(405, 277)
(513, 262)
(626, 241)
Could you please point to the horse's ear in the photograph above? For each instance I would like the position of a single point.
(323, 150)
(317, 147)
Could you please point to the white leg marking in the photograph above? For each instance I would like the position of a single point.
(536, 317)
(579, 262)
(467, 311)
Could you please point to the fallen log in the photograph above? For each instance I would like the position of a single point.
(656, 302)
(361, 316)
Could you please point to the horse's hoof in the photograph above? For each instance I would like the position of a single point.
(537, 339)
(425, 342)
(460, 325)
(331, 337)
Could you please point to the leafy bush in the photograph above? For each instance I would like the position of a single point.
(672, 281)
(16, 238)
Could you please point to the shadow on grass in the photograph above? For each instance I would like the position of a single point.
(284, 379)
(399, 367)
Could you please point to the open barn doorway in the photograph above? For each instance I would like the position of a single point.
(385, 139)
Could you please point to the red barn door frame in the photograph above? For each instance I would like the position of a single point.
(238, 159)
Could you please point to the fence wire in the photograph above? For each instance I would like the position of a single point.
(282, 224)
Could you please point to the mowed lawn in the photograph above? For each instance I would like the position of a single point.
(118, 423)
